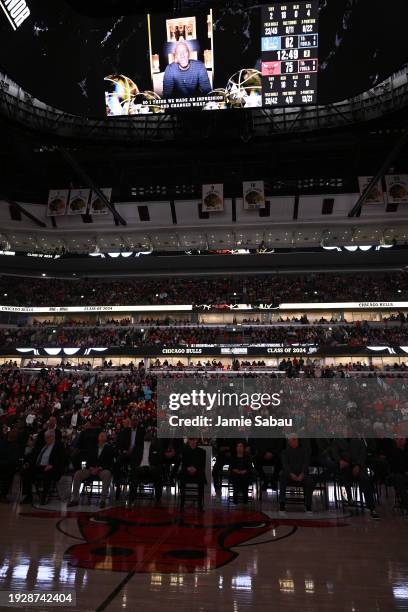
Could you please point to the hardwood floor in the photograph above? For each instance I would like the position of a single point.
(226, 558)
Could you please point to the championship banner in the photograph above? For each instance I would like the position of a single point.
(57, 202)
(97, 206)
(397, 188)
(213, 198)
(376, 195)
(78, 201)
(253, 193)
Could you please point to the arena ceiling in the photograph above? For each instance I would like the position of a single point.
(305, 152)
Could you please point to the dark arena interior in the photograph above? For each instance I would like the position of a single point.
(204, 305)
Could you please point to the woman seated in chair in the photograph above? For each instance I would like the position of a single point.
(241, 472)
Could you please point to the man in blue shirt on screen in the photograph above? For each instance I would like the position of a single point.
(185, 77)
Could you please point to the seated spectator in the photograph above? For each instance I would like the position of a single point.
(45, 463)
(99, 466)
(147, 467)
(350, 455)
(241, 472)
(267, 454)
(192, 470)
(86, 442)
(50, 425)
(322, 456)
(295, 471)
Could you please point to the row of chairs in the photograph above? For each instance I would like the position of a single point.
(92, 488)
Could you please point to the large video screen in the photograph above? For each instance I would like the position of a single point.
(231, 56)
(192, 63)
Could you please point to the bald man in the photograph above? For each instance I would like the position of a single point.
(185, 77)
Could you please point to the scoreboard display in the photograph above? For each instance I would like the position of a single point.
(289, 53)
(264, 56)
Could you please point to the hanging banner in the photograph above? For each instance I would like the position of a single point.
(97, 206)
(376, 195)
(78, 201)
(57, 202)
(397, 188)
(253, 193)
(213, 198)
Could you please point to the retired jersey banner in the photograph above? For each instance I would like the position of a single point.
(78, 201)
(57, 202)
(213, 198)
(98, 206)
(397, 188)
(253, 193)
(376, 195)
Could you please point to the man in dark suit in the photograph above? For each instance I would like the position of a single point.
(74, 418)
(45, 463)
(129, 441)
(350, 455)
(267, 454)
(50, 425)
(99, 465)
(147, 466)
(192, 470)
(87, 440)
(295, 471)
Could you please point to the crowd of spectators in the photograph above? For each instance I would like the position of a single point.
(353, 335)
(268, 288)
(69, 408)
(70, 336)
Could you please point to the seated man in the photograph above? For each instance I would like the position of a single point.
(350, 456)
(241, 472)
(295, 471)
(398, 462)
(99, 465)
(192, 470)
(322, 456)
(147, 467)
(267, 454)
(128, 441)
(44, 463)
(171, 448)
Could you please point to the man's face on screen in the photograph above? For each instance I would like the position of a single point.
(182, 55)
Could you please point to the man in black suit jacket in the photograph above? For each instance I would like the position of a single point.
(99, 465)
(192, 470)
(129, 440)
(50, 425)
(44, 463)
(268, 454)
(350, 455)
(147, 466)
(295, 470)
